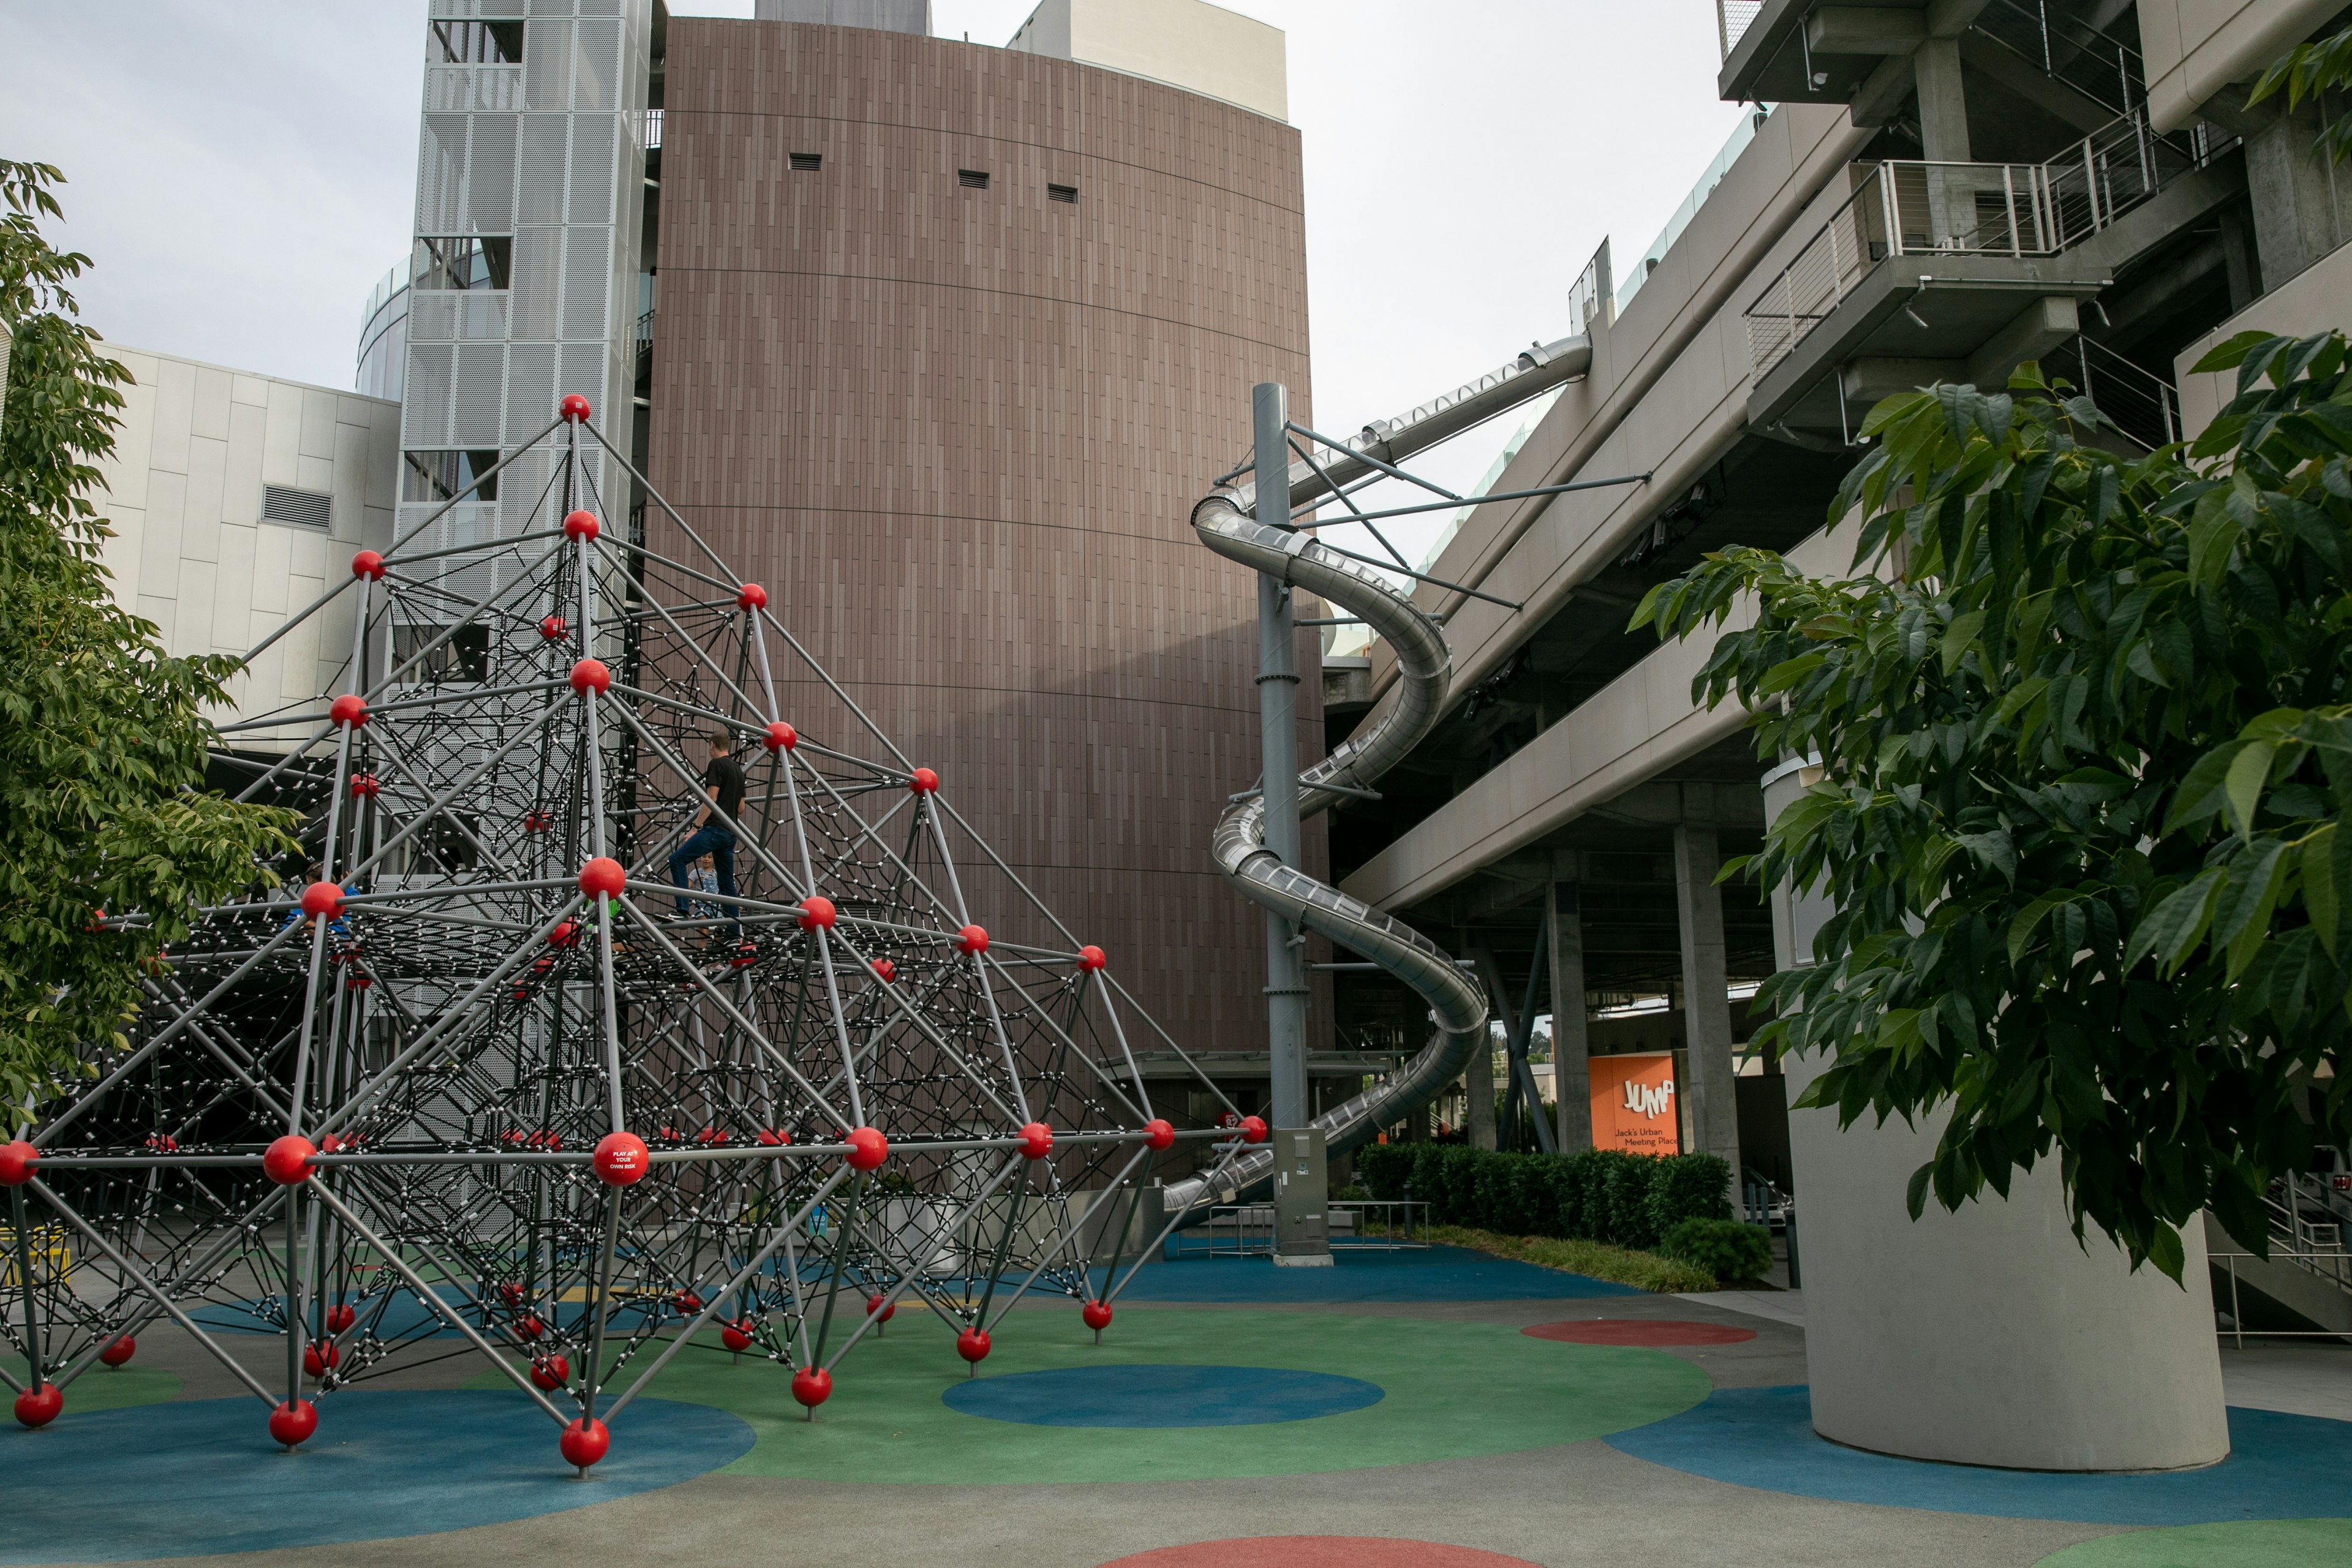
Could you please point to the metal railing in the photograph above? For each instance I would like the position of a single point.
(1247, 1230)
(1914, 207)
(1592, 298)
(652, 123)
(1732, 18)
(2104, 69)
(2238, 1331)
(2142, 403)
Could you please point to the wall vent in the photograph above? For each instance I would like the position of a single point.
(972, 179)
(303, 508)
(1062, 193)
(806, 163)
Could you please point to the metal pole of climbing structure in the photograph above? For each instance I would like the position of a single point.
(1277, 714)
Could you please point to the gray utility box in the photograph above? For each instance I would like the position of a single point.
(1302, 1199)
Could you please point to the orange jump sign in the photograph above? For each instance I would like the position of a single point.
(1633, 1103)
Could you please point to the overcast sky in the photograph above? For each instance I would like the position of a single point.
(242, 174)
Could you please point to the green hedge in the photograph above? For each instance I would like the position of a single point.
(1600, 1194)
(1723, 1248)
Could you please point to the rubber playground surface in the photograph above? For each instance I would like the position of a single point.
(1214, 1370)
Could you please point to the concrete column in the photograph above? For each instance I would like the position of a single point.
(1990, 1336)
(1278, 700)
(1478, 1078)
(1714, 1098)
(2298, 212)
(1944, 136)
(1943, 109)
(1571, 1042)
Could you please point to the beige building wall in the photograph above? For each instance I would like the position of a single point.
(1190, 44)
(192, 550)
(2315, 300)
(2195, 49)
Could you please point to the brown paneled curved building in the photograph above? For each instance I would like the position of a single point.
(949, 339)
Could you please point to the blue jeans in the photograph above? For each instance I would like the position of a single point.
(718, 844)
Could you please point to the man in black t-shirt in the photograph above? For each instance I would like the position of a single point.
(714, 834)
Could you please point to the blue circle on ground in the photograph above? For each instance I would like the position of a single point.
(1764, 1437)
(1160, 1396)
(1360, 1274)
(201, 1475)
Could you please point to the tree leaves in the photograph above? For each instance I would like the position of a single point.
(2089, 874)
(103, 738)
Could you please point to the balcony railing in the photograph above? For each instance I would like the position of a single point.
(1731, 20)
(2143, 404)
(1913, 208)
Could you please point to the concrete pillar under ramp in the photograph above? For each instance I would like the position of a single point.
(1990, 1336)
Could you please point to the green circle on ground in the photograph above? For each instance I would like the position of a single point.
(2247, 1544)
(1451, 1390)
(118, 1387)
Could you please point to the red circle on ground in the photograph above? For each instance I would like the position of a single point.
(1648, 1331)
(1318, 1552)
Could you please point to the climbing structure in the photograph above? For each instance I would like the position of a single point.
(475, 1068)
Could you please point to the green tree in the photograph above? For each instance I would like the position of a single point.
(102, 737)
(2086, 761)
(2306, 71)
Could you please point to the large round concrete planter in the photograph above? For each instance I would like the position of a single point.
(1991, 1336)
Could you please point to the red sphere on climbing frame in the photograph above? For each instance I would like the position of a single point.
(774, 1137)
(883, 970)
(573, 408)
(509, 1291)
(603, 878)
(585, 1442)
(1254, 1129)
(564, 933)
(319, 1357)
(881, 1308)
(528, 1326)
(867, 1148)
(736, 1336)
(580, 525)
(549, 1372)
(621, 1159)
(365, 786)
(16, 1158)
(1097, 1315)
(1158, 1134)
(287, 1161)
(347, 710)
(972, 939)
(972, 1345)
(39, 1406)
(1090, 958)
(781, 737)
(1036, 1140)
(751, 597)
(118, 1351)
(817, 913)
(322, 898)
(340, 1317)
(923, 781)
(367, 564)
(590, 674)
(293, 1421)
(554, 629)
(811, 1386)
(686, 1302)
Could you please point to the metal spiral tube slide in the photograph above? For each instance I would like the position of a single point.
(1226, 524)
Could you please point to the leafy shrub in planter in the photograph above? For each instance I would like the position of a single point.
(1723, 1248)
(1627, 1194)
(1596, 1195)
(1689, 1186)
(1384, 1169)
